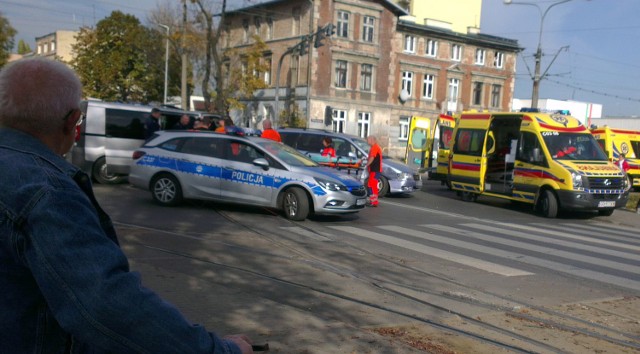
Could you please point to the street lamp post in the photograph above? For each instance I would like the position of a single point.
(166, 63)
(538, 56)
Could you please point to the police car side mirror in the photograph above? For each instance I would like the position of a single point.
(261, 162)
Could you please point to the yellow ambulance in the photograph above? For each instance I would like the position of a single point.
(550, 161)
(443, 131)
(617, 141)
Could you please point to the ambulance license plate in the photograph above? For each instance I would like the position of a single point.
(361, 201)
(607, 204)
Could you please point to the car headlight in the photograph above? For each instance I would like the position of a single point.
(404, 176)
(577, 179)
(330, 185)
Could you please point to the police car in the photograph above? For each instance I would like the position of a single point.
(177, 165)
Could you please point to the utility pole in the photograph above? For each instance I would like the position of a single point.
(166, 63)
(183, 80)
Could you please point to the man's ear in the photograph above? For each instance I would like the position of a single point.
(69, 126)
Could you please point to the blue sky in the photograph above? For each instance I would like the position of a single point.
(602, 64)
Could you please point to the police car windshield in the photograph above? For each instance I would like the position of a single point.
(573, 146)
(287, 154)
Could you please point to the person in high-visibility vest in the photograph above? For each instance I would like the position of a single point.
(374, 167)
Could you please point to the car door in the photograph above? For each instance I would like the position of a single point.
(242, 181)
(199, 165)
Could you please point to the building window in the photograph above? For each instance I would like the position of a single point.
(343, 24)
(53, 46)
(366, 75)
(456, 52)
(245, 30)
(427, 86)
(480, 54)
(498, 60)
(477, 93)
(267, 71)
(409, 43)
(407, 82)
(368, 27)
(39, 48)
(432, 48)
(295, 30)
(339, 120)
(495, 96)
(404, 128)
(269, 34)
(454, 89)
(364, 124)
(341, 74)
(257, 21)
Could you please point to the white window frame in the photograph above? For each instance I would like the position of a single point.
(368, 29)
(498, 60)
(428, 86)
(341, 71)
(409, 43)
(480, 55)
(342, 28)
(496, 93)
(366, 77)
(431, 48)
(268, 62)
(339, 121)
(407, 82)
(364, 124)
(456, 52)
(477, 88)
(404, 128)
(269, 34)
(454, 92)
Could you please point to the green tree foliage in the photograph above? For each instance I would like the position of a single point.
(120, 60)
(23, 47)
(247, 75)
(6, 39)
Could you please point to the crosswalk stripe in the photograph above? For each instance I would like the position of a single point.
(541, 249)
(556, 241)
(542, 230)
(556, 266)
(438, 253)
(609, 229)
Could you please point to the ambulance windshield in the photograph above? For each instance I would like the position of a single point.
(573, 146)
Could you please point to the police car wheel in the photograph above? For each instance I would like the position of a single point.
(166, 190)
(295, 204)
(549, 204)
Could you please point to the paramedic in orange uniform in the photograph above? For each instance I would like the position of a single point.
(374, 166)
(268, 132)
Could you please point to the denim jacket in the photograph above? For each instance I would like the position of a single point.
(65, 284)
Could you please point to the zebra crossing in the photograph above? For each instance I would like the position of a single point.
(601, 252)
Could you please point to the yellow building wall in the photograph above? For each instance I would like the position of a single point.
(461, 14)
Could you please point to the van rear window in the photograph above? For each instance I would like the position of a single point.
(469, 142)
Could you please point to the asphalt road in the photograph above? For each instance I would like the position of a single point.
(416, 274)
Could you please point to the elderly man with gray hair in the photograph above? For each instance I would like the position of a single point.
(268, 132)
(66, 284)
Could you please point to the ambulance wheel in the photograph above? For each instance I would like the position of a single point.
(549, 204)
(468, 196)
(166, 190)
(295, 204)
(383, 186)
(605, 212)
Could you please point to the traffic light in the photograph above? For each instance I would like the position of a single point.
(303, 46)
(330, 30)
(320, 35)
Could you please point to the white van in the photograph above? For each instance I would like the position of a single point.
(111, 132)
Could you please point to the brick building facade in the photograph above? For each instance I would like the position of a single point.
(377, 70)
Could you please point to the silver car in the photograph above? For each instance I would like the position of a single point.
(177, 165)
(396, 177)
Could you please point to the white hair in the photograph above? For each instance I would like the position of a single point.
(37, 94)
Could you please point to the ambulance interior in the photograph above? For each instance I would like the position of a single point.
(501, 148)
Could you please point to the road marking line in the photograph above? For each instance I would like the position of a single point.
(541, 249)
(541, 230)
(438, 253)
